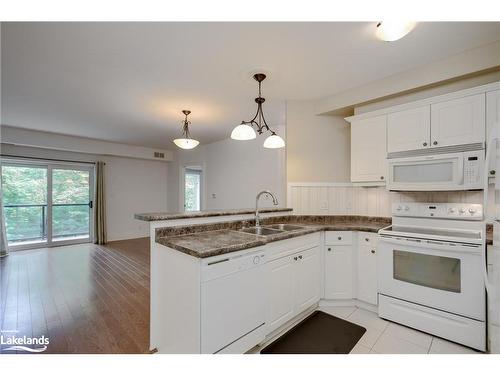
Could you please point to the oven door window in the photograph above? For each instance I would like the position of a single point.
(427, 270)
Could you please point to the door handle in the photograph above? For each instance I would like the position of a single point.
(91, 204)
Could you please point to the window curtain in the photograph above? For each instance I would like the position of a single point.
(100, 205)
(4, 250)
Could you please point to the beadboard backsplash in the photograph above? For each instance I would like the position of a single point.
(347, 199)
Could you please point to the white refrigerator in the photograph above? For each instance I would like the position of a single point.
(492, 268)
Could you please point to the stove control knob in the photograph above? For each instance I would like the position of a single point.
(461, 211)
(472, 211)
(451, 210)
(407, 208)
(399, 208)
(256, 260)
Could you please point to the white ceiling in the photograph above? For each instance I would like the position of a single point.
(128, 82)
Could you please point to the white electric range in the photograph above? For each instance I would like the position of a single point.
(430, 270)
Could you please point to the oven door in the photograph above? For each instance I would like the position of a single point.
(442, 275)
(433, 172)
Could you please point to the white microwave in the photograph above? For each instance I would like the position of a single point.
(437, 172)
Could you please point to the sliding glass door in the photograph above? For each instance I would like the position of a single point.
(71, 204)
(47, 204)
(24, 189)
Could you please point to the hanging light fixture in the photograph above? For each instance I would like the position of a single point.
(246, 131)
(391, 31)
(186, 142)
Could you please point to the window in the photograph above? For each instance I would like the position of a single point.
(192, 189)
(47, 203)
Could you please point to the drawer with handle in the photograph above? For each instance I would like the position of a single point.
(338, 238)
(367, 239)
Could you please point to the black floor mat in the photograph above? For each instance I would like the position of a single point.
(320, 333)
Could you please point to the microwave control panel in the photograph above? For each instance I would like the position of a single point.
(472, 170)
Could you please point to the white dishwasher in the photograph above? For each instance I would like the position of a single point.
(232, 303)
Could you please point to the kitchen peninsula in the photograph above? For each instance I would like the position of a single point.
(211, 265)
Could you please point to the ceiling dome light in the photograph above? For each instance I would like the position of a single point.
(274, 141)
(186, 142)
(243, 132)
(390, 31)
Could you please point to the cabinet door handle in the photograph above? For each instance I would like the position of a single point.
(492, 172)
(367, 239)
(435, 143)
(381, 177)
(339, 238)
(425, 144)
(329, 249)
(372, 251)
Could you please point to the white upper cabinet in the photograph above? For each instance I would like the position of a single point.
(458, 121)
(493, 119)
(409, 130)
(368, 149)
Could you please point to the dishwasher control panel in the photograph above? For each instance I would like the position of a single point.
(221, 266)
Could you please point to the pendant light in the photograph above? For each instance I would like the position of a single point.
(186, 142)
(246, 131)
(391, 31)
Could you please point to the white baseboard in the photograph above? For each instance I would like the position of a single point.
(348, 303)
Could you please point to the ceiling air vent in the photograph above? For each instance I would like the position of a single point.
(159, 155)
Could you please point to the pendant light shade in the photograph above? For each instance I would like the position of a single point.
(274, 141)
(391, 31)
(186, 142)
(257, 125)
(243, 132)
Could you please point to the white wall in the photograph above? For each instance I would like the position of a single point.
(318, 147)
(132, 186)
(469, 62)
(435, 90)
(60, 142)
(234, 171)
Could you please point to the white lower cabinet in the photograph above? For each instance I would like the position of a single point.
(308, 278)
(281, 300)
(293, 275)
(367, 268)
(293, 285)
(339, 266)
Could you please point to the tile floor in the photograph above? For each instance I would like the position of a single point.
(383, 337)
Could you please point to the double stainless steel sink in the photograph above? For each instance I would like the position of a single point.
(270, 229)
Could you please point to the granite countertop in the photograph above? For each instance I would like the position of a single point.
(157, 216)
(207, 240)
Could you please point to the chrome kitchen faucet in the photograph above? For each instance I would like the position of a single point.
(275, 202)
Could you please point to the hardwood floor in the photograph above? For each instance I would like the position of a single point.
(85, 298)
